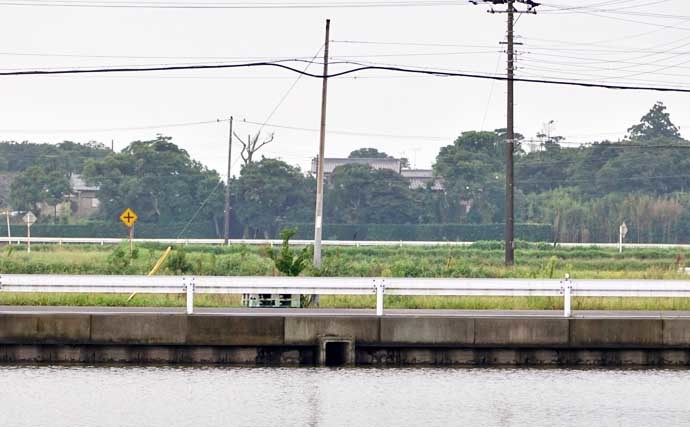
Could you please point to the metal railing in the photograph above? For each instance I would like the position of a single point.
(271, 242)
(378, 286)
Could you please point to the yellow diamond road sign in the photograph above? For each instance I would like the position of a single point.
(128, 217)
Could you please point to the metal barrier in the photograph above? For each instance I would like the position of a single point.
(271, 242)
(378, 286)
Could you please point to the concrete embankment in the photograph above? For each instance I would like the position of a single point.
(361, 340)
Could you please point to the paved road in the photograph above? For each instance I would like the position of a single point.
(346, 312)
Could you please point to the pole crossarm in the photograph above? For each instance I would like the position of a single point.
(530, 5)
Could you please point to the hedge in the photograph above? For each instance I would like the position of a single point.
(425, 232)
(114, 230)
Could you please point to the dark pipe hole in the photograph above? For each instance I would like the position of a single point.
(336, 353)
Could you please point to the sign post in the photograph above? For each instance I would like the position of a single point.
(29, 220)
(9, 229)
(622, 231)
(128, 217)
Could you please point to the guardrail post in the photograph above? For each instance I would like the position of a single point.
(189, 287)
(380, 286)
(567, 289)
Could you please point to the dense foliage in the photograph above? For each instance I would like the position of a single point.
(481, 259)
(158, 180)
(33, 173)
(36, 185)
(270, 192)
(68, 157)
(565, 192)
(586, 192)
(360, 194)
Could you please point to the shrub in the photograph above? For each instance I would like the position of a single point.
(288, 261)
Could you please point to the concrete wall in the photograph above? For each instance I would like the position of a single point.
(173, 338)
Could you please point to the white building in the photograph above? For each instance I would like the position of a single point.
(418, 178)
(329, 164)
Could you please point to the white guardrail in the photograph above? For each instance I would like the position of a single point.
(379, 286)
(272, 242)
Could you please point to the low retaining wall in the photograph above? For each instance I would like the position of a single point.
(301, 340)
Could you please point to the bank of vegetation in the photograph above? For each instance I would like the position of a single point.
(480, 260)
(566, 191)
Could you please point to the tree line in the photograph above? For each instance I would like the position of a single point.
(583, 191)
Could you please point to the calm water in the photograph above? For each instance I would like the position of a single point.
(201, 397)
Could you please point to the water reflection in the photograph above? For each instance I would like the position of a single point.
(174, 396)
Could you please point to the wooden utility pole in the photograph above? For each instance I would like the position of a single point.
(226, 216)
(510, 126)
(318, 219)
(510, 143)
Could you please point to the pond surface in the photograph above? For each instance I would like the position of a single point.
(73, 396)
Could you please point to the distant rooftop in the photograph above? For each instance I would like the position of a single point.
(420, 178)
(78, 184)
(329, 164)
(417, 173)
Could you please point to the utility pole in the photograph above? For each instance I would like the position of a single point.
(510, 125)
(510, 146)
(318, 219)
(226, 213)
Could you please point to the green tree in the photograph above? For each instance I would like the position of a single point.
(269, 193)
(36, 185)
(473, 170)
(544, 170)
(368, 153)
(359, 194)
(159, 181)
(647, 170)
(67, 156)
(655, 124)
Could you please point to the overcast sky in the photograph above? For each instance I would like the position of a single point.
(630, 42)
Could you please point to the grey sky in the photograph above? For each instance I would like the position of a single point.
(425, 112)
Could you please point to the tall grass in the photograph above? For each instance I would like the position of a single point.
(482, 260)
(352, 301)
(435, 261)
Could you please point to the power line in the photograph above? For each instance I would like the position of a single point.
(209, 122)
(394, 43)
(634, 21)
(331, 132)
(228, 5)
(590, 63)
(491, 93)
(240, 58)
(545, 72)
(289, 90)
(201, 206)
(429, 72)
(607, 179)
(114, 129)
(352, 133)
(624, 11)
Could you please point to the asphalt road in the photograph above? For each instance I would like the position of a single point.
(346, 312)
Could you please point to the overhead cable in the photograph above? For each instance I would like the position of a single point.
(429, 72)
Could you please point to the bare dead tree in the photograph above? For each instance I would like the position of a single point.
(251, 145)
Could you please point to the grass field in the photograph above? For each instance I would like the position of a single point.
(481, 260)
